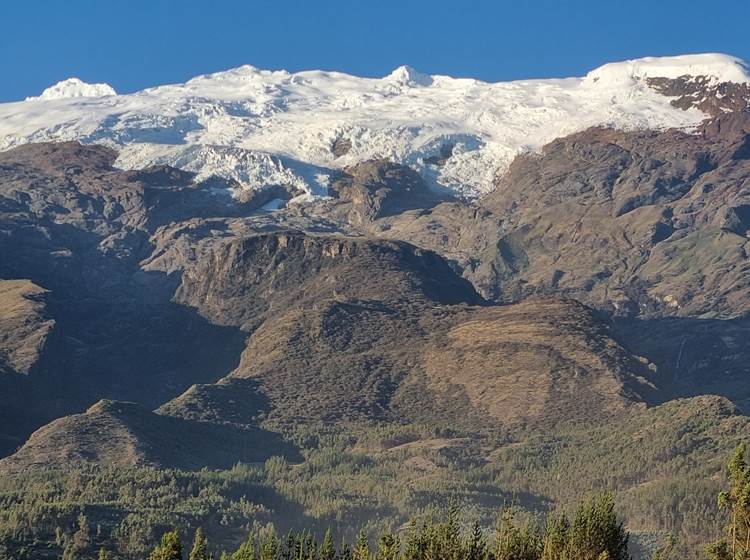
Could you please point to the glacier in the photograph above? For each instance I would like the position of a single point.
(260, 127)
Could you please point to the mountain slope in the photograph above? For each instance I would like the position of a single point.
(639, 223)
(24, 326)
(301, 257)
(126, 434)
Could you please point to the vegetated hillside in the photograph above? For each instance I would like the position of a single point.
(539, 362)
(24, 325)
(127, 434)
(665, 464)
(648, 227)
(354, 329)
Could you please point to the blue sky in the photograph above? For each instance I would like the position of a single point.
(135, 44)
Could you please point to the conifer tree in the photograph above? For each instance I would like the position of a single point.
(170, 547)
(246, 551)
(362, 548)
(514, 542)
(475, 545)
(736, 500)
(288, 550)
(311, 547)
(269, 546)
(200, 546)
(345, 551)
(450, 535)
(415, 542)
(596, 530)
(556, 543)
(102, 554)
(328, 549)
(387, 547)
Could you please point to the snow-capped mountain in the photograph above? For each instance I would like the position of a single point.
(262, 128)
(74, 87)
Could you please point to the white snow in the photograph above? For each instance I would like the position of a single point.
(73, 87)
(263, 127)
(273, 205)
(717, 67)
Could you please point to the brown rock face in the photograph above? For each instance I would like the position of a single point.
(650, 223)
(74, 228)
(24, 325)
(25, 328)
(379, 188)
(242, 280)
(700, 93)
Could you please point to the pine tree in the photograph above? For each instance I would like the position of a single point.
(69, 552)
(328, 549)
(415, 542)
(596, 530)
(736, 499)
(475, 545)
(450, 535)
(345, 551)
(362, 548)
(311, 547)
(102, 554)
(170, 547)
(556, 545)
(387, 547)
(246, 551)
(200, 546)
(269, 546)
(514, 542)
(288, 550)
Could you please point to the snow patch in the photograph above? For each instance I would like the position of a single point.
(273, 205)
(73, 87)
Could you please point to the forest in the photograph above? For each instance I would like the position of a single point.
(593, 530)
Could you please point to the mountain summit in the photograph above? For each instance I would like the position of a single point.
(74, 87)
(258, 128)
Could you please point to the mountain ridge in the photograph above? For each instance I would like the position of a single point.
(260, 128)
(410, 341)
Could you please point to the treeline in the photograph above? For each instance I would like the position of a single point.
(593, 532)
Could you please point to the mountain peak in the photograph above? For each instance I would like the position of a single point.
(408, 76)
(74, 87)
(717, 67)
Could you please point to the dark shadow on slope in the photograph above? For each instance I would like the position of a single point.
(693, 356)
(117, 332)
(231, 401)
(124, 433)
